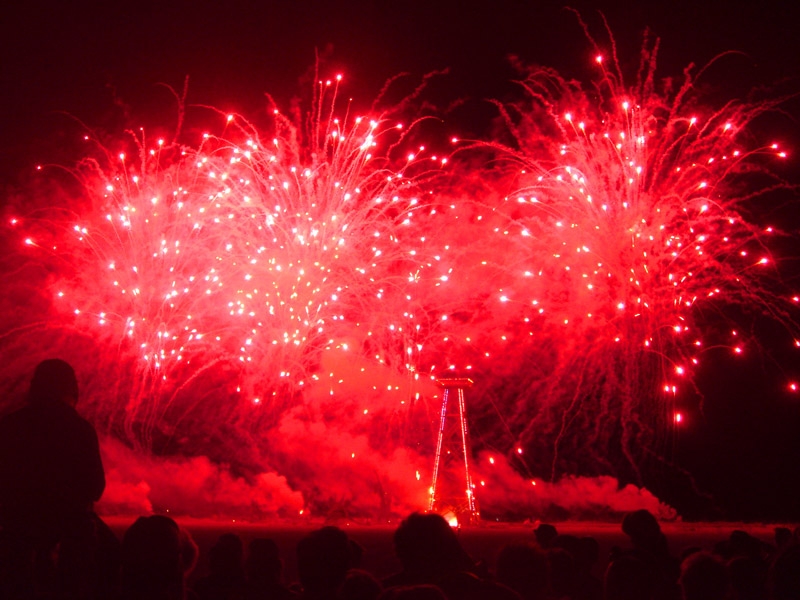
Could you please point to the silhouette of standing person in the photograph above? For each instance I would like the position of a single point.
(51, 474)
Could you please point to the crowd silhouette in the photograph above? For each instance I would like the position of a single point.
(53, 546)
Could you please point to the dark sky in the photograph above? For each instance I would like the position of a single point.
(77, 56)
(86, 59)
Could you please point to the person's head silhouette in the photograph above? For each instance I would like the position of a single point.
(54, 381)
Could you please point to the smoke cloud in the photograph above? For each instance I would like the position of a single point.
(333, 473)
(502, 492)
(191, 486)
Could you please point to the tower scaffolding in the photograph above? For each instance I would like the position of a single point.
(452, 491)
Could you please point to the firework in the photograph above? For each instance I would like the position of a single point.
(625, 243)
(280, 299)
(222, 274)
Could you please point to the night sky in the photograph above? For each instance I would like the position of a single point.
(102, 63)
(81, 57)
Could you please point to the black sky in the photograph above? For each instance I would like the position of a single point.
(87, 59)
(78, 56)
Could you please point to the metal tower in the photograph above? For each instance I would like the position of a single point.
(452, 490)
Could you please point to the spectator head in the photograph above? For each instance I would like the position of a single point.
(688, 551)
(642, 527)
(545, 535)
(264, 561)
(323, 558)
(523, 568)
(427, 543)
(744, 544)
(704, 577)
(54, 380)
(226, 555)
(152, 565)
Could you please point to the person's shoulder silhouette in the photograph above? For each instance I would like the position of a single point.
(50, 466)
